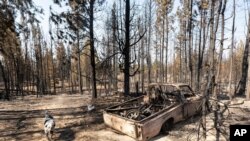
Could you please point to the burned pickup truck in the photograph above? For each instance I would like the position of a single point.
(146, 116)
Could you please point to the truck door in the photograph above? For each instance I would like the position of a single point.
(191, 107)
(191, 102)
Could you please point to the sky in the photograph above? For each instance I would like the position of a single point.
(44, 18)
(240, 24)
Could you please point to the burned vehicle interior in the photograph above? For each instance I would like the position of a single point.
(157, 98)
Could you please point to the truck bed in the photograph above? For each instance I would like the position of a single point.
(137, 129)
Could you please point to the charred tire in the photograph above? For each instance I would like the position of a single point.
(133, 114)
(167, 126)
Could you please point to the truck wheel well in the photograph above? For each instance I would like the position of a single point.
(167, 125)
(171, 119)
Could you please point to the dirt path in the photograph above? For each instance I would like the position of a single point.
(22, 120)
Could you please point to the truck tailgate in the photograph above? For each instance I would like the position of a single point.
(120, 124)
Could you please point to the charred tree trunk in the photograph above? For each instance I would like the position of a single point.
(231, 54)
(126, 51)
(245, 66)
(149, 43)
(6, 82)
(199, 64)
(248, 75)
(185, 67)
(109, 64)
(53, 69)
(214, 78)
(52, 60)
(221, 41)
(242, 84)
(142, 65)
(166, 59)
(156, 59)
(162, 50)
(180, 65)
(79, 64)
(190, 42)
(42, 89)
(114, 31)
(92, 49)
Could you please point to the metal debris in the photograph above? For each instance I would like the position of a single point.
(153, 102)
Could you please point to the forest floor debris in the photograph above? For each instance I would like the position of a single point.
(22, 120)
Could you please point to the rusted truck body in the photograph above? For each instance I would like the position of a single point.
(146, 116)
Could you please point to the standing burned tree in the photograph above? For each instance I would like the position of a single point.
(126, 40)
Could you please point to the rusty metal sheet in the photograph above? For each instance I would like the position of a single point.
(120, 124)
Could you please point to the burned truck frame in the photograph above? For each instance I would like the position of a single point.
(146, 116)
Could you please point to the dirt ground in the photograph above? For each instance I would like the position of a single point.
(22, 120)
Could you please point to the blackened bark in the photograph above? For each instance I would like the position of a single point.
(92, 49)
(126, 51)
(200, 56)
(162, 50)
(166, 59)
(242, 84)
(142, 65)
(6, 85)
(149, 43)
(190, 42)
(114, 27)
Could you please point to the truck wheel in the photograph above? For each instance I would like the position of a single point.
(167, 126)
